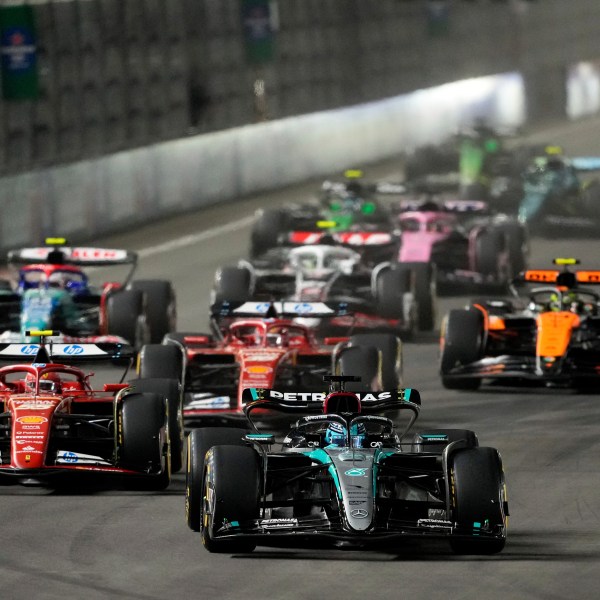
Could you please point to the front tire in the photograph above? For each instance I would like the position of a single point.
(199, 442)
(232, 484)
(478, 500)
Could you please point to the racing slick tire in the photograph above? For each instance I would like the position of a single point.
(461, 343)
(199, 442)
(488, 249)
(390, 347)
(126, 316)
(364, 362)
(451, 435)
(266, 230)
(161, 360)
(425, 294)
(142, 443)
(172, 390)
(478, 500)
(233, 474)
(517, 246)
(161, 306)
(390, 289)
(232, 284)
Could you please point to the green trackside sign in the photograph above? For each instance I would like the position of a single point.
(258, 30)
(18, 50)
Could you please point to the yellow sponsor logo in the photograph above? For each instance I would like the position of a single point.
(31, 419)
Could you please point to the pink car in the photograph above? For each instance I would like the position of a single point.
(465, 246)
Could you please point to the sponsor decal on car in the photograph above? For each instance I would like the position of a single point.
(356, 472)
(31, 419)
(359, 513)
(277, 523)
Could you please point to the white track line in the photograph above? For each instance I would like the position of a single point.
(194, 238)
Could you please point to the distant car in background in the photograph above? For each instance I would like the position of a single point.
(54, 292)
(556, 200)
(549, 337)
(466, 244)
(348, 212)
(388, 296)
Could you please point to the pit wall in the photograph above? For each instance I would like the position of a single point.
(93, 197)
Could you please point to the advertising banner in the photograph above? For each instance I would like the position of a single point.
(18, 50)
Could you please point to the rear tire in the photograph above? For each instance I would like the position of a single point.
(363, 362)
(266, 230)
(479, 498)
(126, 316)
(143, 442)
(199, 442)
(160, 306)
(232, 284)
(235, 482)
(488, 248)
(425, 294)
(462, 344)
(391, 287)
(171, 389)
(390, 347)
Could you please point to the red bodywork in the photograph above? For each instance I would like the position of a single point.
(260, 348)
(32, 412)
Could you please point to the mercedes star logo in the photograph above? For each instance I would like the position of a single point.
(359, 513)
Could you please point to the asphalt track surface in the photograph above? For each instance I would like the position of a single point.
(93, 544)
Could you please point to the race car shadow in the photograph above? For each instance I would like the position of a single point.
(97, 487)
(520, 546)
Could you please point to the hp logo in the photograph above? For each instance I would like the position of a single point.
(30, 349)
(73, 349)
(303, 308)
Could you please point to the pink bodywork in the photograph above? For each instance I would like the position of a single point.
(417, 243)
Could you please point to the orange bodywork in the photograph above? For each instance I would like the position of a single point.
(554, 332)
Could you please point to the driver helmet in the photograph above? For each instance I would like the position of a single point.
(336, 435)
(49, 382)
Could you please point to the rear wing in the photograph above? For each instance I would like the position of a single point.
(550, 276)
(285, 309)
(381, 187)
(73, 352)
(370, 401)
(442, 205)
(75, 255)
(586, 163)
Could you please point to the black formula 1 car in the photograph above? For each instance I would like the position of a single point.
(551, 337)
(343, 474)
(53, 291)
(388, 296)
(57, 425)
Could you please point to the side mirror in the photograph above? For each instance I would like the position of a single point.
(259, 438)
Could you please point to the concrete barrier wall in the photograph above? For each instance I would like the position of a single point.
(96, 196)
(120, 74)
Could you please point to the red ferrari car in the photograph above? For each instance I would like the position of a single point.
(262, 344)
(54, 424)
